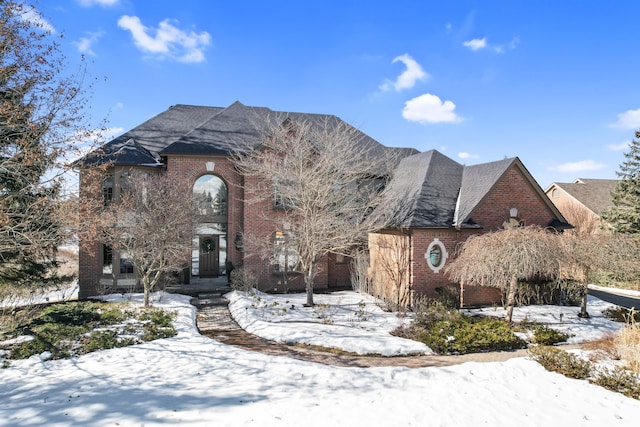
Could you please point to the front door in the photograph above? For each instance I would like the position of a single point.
(209, 256)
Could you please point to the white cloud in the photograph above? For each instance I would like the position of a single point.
(619, 147)
(630, 119)
(476, 44)
(168, 41)
(84, 44)
(465, 155)
(409, 77)
(429, 108)
(581, 166)
(103, 3)
(33, 17)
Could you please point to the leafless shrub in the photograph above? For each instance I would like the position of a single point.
(603, 348)
(243, 279)
(584, 221)
(502, 258)
(359, 272)
(627, 344)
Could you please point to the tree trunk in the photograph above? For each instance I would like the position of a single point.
(511, 297)
(146, 294)
(583, 302)
(309, 286)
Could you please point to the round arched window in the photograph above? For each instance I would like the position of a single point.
(210, 193)
(436, 255)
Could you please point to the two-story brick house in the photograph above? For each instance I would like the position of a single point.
(451, 201)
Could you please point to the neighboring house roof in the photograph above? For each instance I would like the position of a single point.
(594, 194)
(189, 129)
(433, 191)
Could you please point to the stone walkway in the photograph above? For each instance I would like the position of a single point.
(214, 320)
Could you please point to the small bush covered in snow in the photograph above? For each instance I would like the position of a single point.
(75, 328)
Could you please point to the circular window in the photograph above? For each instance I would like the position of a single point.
(436, 255)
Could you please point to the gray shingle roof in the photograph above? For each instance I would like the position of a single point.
(595, 194)
(430, 190)
(477, 181)
(153, 135)
(425, 189)
(188, 129)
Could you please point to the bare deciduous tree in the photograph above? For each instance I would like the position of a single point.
(584, 254)
(501, 258)
(326, 178)
(583, 220)
(152, 224)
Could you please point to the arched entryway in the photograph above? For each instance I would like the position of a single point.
(209, 253)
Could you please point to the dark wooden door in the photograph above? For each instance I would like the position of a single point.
(209, 256)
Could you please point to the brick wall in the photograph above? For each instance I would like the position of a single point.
(192, 168)
(513, 190)
(424, 280)
(338, 272)
(89, 257)
(475, 296)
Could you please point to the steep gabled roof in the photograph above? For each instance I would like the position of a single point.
(477, 181)
(595, 194)
(431, 190)
(425, 189)
(481, 179)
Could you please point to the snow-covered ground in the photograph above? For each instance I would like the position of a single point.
(564, 318)
(64, 292)
(346, 320)
(193, 380)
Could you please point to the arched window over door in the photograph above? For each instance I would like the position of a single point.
(210, 238)
(210, 193)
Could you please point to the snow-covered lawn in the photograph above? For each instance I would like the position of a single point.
(564, 319)
(346, 320)
(193, 380)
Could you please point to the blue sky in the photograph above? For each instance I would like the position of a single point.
(555, 83)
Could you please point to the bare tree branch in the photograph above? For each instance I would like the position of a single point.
(325, 179)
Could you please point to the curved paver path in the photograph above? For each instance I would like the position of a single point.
(214, 320)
